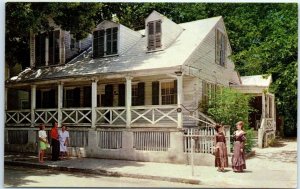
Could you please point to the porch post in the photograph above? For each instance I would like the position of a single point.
(5, 97)
(263, 108)
(60, 103)
(33, 104)
(273, 107)
(268, 106)
(179, 98)
(128, 101)
(94, 103)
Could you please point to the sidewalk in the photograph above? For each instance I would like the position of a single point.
(267, 168)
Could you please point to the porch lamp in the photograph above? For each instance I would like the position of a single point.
(178, 73)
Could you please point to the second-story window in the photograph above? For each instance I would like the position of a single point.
(220, 48)
(154, 35)
(105, 42)
(53, 47)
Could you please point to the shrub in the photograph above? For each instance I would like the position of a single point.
(230, 106)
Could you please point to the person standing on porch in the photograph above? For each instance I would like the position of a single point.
(43, 142)
(221, 158)
(64, 141)
(238, 158)
(54, 142)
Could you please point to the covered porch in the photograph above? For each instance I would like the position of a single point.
(263, 118)
(100, 101)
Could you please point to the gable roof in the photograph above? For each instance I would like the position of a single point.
(134, 59)
(256, 80)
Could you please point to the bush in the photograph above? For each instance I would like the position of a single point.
(230, 106)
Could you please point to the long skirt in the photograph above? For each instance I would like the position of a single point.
(238, 157)
(221, 158)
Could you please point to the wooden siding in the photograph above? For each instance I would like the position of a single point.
(203, 58)
(84, 44)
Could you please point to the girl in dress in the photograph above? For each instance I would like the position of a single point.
(43, 142)
(221, 158)
(238, 158)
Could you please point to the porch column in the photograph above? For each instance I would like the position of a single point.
(273, 108)
(268, 106)
(47, 51)
(5, 98)
(60, 103)
(263, 108)
(179, 98)
(94, 103)
(33, 104)
(128, 101)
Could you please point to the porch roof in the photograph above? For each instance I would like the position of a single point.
(135, 59)
(257, 80)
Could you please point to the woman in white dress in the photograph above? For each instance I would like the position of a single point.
(64, 141)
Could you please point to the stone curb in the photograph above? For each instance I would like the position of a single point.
(102, 172)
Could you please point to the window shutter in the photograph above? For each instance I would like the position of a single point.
(155, 93)
(108, 95)
(223, 53)
(158, 34)
(175, 92)
(217, 47)
(121, 100)
(98, 43)
(108, 41)
(38, 99)
(52, 102)
(151, 36)
(76, 97)
(40, 42)
(87, 96)
(115, 40)
(204, 94)
(141, 93)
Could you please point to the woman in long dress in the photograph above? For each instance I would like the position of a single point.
(221, 158)
(64, 141)
(238, 158)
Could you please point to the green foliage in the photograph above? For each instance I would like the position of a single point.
(228, 107)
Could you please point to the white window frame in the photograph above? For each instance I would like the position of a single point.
(160, 94)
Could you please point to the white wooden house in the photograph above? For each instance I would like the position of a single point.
(131, 94)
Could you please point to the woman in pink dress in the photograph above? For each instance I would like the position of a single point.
(221, 158)
(238, 157)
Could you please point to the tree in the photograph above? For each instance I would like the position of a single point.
(229, 107)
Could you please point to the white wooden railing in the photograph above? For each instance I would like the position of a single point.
(204, 139)
(266, 131)
(151, 140)
(76, 115)
(46, 115)
(111, 115)
(154, 114)
(18, 117)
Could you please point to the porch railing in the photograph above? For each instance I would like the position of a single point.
(111, 115)
(77, 115)
(18, 117)
(154, 114)
(204, 139)
(46, 116)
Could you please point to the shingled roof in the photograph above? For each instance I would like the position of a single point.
(135, 59)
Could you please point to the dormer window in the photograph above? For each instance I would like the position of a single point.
(105, 42)
(154, 35)
(220, 48)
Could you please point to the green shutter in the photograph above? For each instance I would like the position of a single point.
(121, 99)
(141, 93)
(87, 96)
(175, 92)
(155, 93)
(108, 95)
(98, 43)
